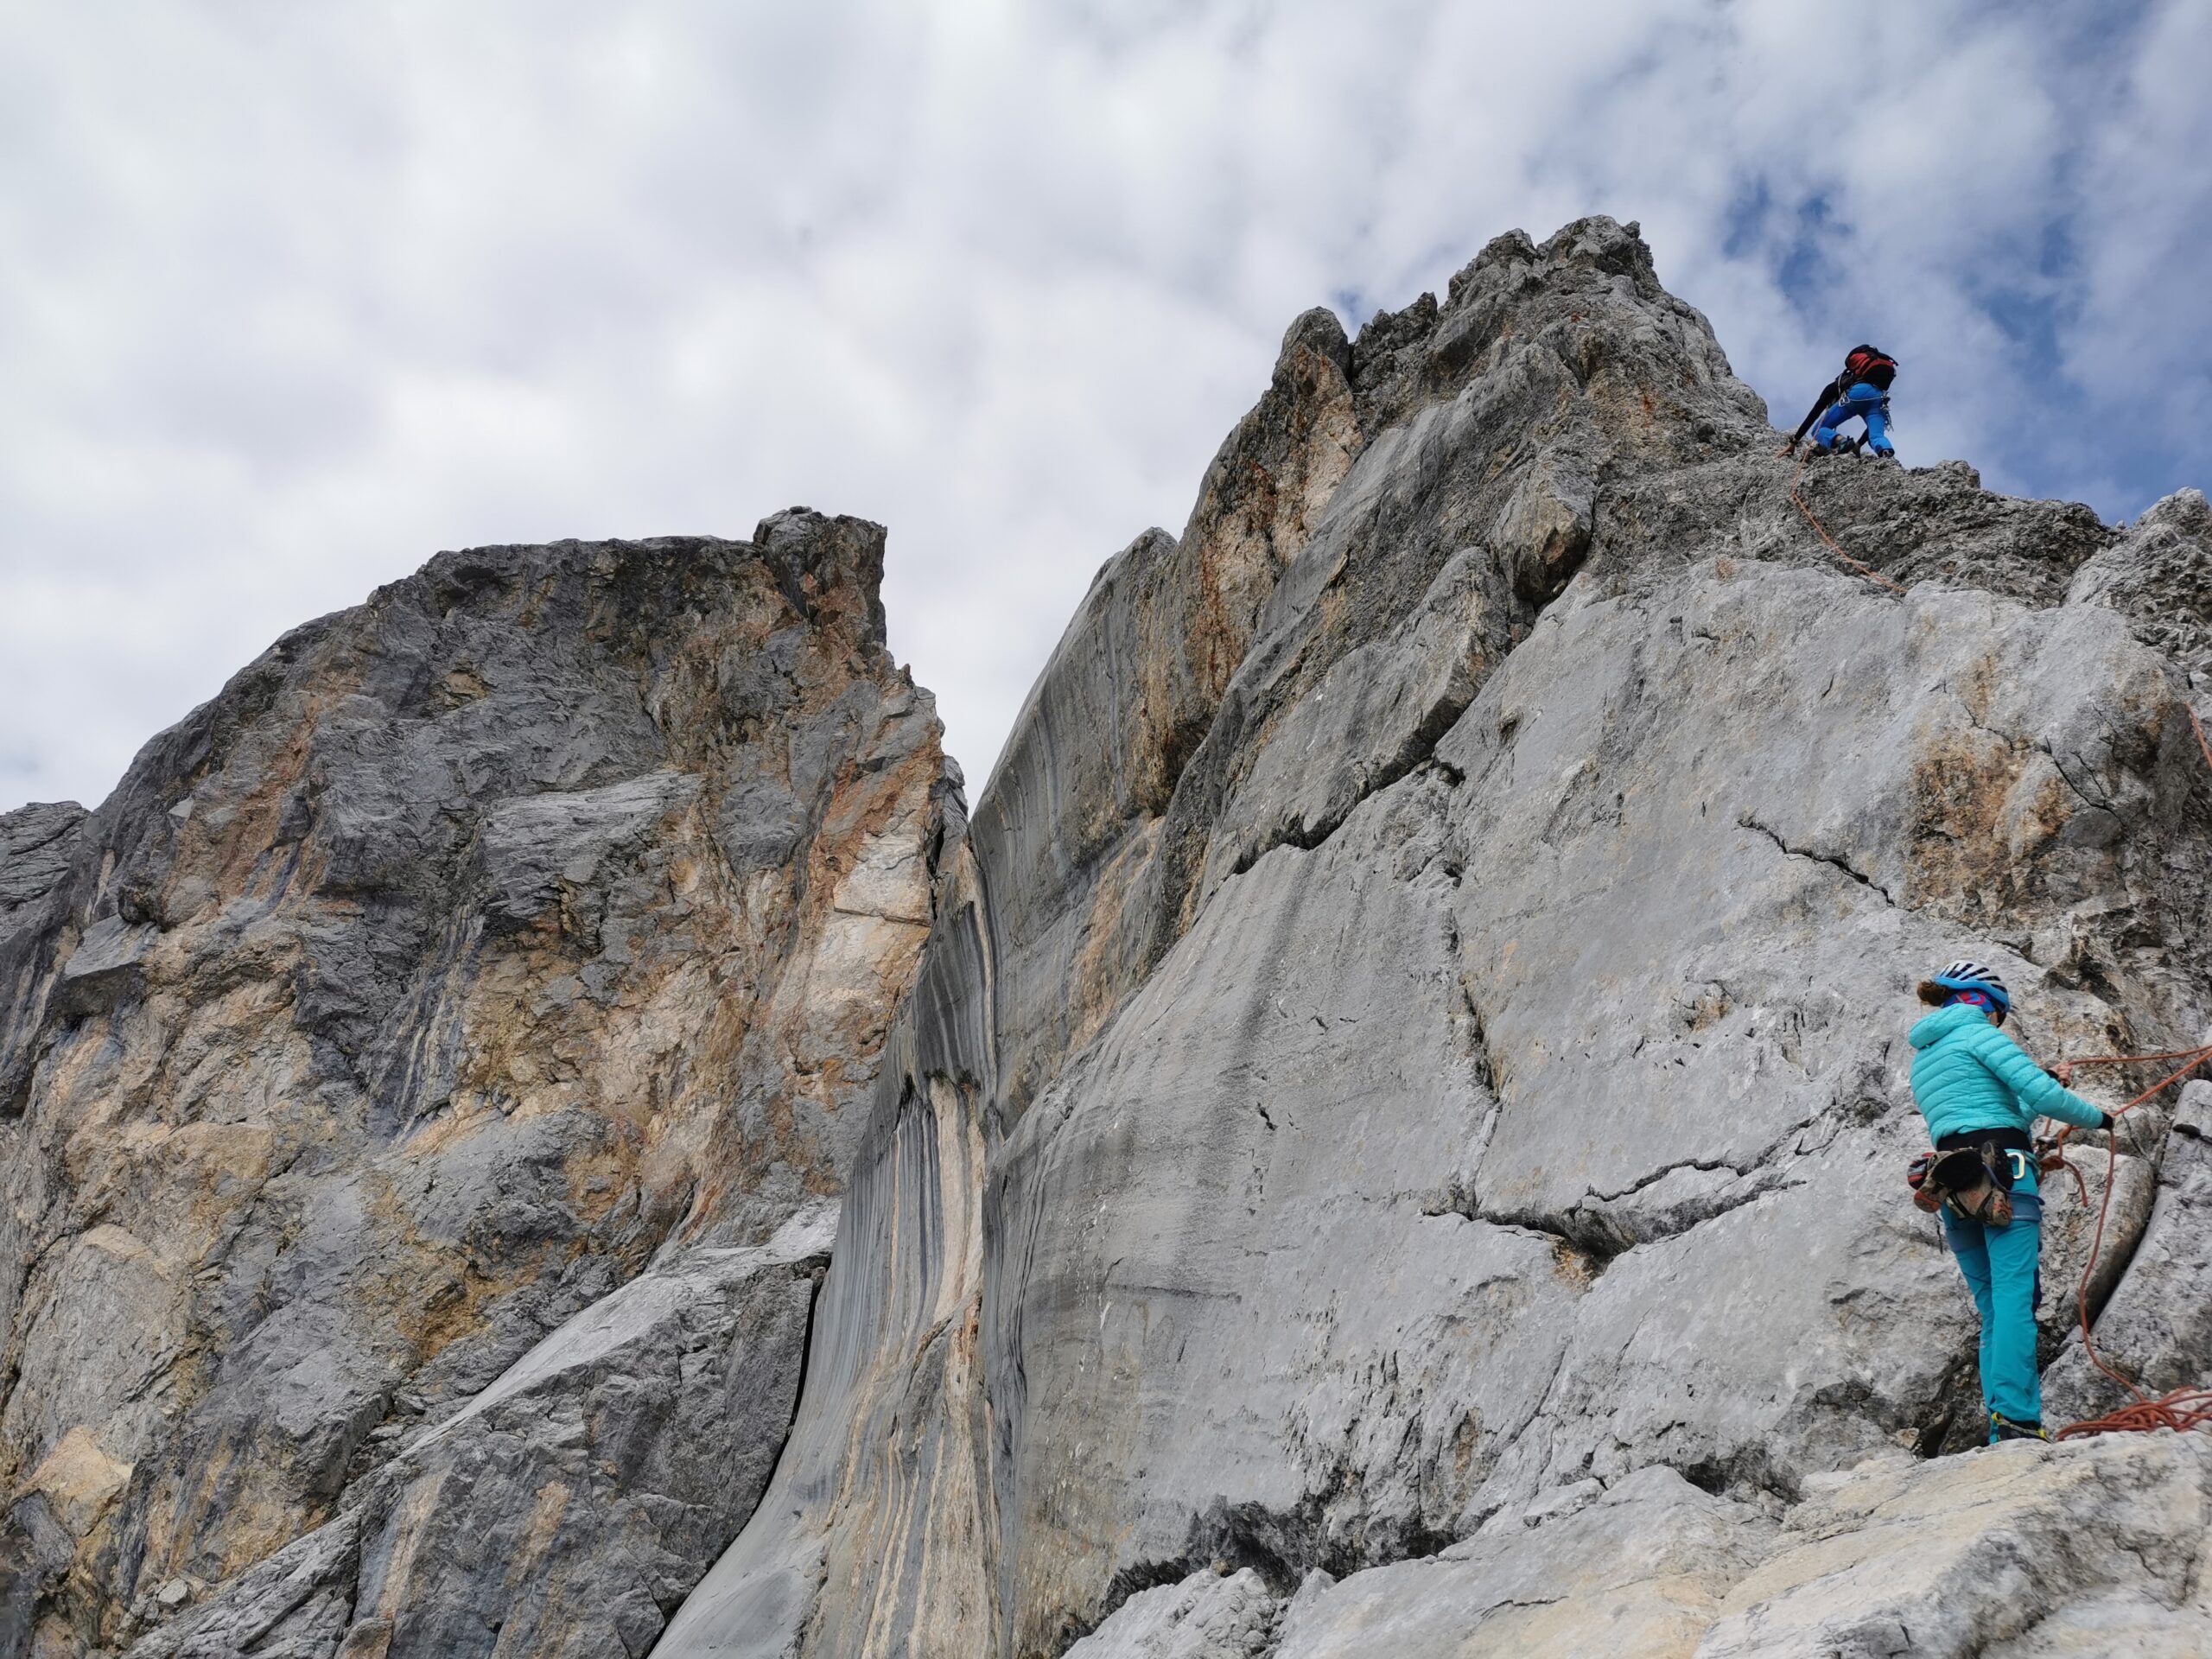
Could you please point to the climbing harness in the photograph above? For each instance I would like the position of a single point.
(1972, 1172)
(2181, 1408)
(1820, 529)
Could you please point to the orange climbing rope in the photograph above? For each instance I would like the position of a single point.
(1820, 529)
(2181, 1408)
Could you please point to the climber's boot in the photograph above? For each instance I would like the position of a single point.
(2002, 1428)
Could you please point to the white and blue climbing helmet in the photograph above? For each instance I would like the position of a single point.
(1972, 980)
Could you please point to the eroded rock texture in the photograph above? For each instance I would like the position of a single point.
(1396, 1142)
(566, 1508)
(421, 1088)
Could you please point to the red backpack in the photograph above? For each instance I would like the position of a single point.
(1871, 364)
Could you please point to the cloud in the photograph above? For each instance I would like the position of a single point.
(291, 298)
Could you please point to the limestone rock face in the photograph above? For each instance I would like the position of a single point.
(568, 1505)
(2089, 1548)
(402, 1077)
(1383, 1133)
(1639, 1571)
(38, 844)
(2159, 574)
(1205, 1617)
(1399, 1127)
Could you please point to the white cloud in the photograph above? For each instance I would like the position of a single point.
(291, 298)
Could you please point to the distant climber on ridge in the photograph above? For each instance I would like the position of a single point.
(1863, 389)
(1981, 1095)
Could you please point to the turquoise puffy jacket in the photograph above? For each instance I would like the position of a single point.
(1968, 1075)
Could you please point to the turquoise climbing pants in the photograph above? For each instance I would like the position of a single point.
(1872, 405)
(1999, 1263)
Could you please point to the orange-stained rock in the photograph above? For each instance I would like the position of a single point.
(544, 912)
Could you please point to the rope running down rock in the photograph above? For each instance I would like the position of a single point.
(1820, 529)
(2181, 1408)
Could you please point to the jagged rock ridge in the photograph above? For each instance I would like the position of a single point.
(424, 1085)
(1399, 1119)
(1390, 1142)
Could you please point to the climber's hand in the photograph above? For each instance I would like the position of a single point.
(2064, 1072)
(1787, 450)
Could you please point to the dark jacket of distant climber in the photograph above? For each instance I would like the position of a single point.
(1862, 389)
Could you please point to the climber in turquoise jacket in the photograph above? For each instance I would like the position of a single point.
(1980, 1093)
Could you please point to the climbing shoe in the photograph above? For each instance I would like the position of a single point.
(2002, 1428)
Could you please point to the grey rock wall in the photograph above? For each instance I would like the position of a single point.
(38, 846)
(1381, 1133)
(2159, 575)
(569, 1507)
(534, 927)
(1208, 1616)
(1398, 1130)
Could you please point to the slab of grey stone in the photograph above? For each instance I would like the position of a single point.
(570, 1506)
(2015, 1549)
(35, 844)
(2158, 575)
(1638, 1574)
(1207, 1616)
(544, 851)
(105, 967)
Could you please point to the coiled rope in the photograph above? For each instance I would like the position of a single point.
(2180, 1408)
(1822, 530)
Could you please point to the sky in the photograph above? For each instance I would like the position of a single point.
(292, 298)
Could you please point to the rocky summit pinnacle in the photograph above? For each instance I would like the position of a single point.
(1383, 1133)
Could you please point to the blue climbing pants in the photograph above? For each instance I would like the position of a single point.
(1999, 1263)
(1872, 405)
